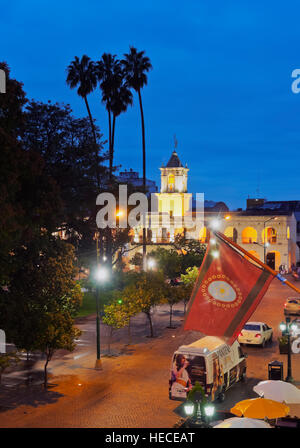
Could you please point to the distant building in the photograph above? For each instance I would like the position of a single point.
(132, 177)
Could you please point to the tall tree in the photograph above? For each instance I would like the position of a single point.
(82, 73)
(121, 99)
(109, 73)
(37, 310)
(136, 65)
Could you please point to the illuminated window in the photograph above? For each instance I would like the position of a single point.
(249, 235)
(269, 235)
(171, 182)
(231, 233)
(288, 235)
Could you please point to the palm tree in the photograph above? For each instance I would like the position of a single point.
(81, 73)
(135, 66)
(109, 73)
(121, 99)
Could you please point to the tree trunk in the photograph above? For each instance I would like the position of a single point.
(171, 314)
(150, 323)
(95, 141)
(144, 178)
(109, 339)
(184, 309)
(46, 372)
(110, 147)
(113, 137)
(129, 333)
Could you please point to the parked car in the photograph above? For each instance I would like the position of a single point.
(255, 333)
(292, 306)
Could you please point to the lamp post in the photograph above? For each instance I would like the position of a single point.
(215, 223)
(101, 275)
(285, 327)
(270, 219)
(194, 413)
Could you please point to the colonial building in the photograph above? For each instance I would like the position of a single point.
(268, 233)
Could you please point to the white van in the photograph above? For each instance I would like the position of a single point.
(211, 362)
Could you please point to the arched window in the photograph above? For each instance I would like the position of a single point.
(269, 235)
(249, 235)
(231, 233)
(171, 182)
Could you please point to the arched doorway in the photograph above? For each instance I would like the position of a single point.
(273, 259)
(255, 254)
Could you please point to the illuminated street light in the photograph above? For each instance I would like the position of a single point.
(215, 224)
(285, 327)
(209, 410)
(189, 408)
(151, 263)
(215, 254)
(193, 411)
(101, 275)
(282, 326)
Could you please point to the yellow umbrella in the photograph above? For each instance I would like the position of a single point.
(260, 408)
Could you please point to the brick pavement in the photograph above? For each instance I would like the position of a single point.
(132, 389)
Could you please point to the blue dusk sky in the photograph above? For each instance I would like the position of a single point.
(221, 81)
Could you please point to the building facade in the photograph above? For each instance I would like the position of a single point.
(271, 235)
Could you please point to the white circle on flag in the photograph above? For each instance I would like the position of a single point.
(222, 291)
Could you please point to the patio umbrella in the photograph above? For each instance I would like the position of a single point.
(260, 408)
(278, 391)
(236, 422)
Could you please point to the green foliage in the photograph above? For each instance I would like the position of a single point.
(115, 316)
(168, 261)
(197, 388)
(37, 309)
(8, 360)
(137, 260)
(57, 331)
(174, 262)
(190, 277)
(283, 340)
(143, 294)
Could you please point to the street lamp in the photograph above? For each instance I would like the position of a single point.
(194, 413)
(151, 263)
(216, 222)
(285, 327)
(101, 275)
(265, 244)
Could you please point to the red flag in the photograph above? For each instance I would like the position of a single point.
(226, 293)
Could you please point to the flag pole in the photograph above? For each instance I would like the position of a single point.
(265, 266)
